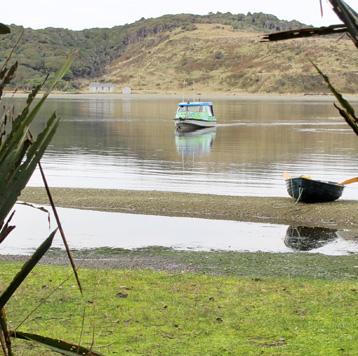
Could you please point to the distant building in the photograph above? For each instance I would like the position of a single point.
(102, 88)
(126, 90)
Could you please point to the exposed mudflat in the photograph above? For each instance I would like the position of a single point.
(341, 214)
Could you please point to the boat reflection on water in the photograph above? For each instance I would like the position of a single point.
(303, 238)
(189, 142)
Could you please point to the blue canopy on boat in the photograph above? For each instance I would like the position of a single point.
(203, 103)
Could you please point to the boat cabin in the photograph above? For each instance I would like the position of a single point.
(204, 107)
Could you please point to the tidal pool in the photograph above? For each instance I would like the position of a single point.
(87, 229)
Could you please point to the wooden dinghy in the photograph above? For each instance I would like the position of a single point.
(308, 190)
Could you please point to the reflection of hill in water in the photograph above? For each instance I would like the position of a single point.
(143, 128)
(302, 238)
(196, 141)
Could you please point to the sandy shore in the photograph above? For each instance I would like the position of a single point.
(341, 214)
(178, 96)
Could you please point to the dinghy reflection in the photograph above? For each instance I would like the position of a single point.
(195, 141)
(303, 238)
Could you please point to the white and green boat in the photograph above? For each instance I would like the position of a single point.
(195, 115)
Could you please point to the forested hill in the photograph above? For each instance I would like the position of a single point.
(221, 52)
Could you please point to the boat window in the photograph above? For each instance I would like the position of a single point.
(200, 108)
(208, 110)
(189, 108)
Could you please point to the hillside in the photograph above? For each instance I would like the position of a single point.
(223, 60)
(222, 53)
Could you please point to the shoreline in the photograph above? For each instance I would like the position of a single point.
(340, 214)
(178, 96)
(336, 215)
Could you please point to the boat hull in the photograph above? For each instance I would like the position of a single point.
(313, 191)
(192, 124)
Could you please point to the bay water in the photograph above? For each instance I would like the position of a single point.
(130, 142)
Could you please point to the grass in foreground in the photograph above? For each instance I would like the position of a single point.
(144, 312)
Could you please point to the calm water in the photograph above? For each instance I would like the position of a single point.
(131, 143)
(87, 229)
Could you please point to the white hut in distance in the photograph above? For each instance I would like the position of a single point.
(102, 88)
(126, 90)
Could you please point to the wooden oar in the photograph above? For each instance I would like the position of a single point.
(349, 181)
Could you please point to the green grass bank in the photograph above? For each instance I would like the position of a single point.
(158, 301)
(148, 312)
